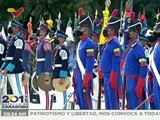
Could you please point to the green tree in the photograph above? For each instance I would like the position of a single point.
(39, 8)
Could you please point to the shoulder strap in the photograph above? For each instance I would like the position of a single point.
(154, 66)
(81, 67)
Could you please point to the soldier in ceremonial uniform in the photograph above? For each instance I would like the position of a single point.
(110, 64)
(61, 56)
(84, 64)
(12, 65)
(135, 68)
(72, 56)
(95, 37)
(155, 65)
(26, 57)
(61, 68)
(44, 66)
(71, 48)
(145, 42)
(152, 41)
(143, 20)
(3, 47)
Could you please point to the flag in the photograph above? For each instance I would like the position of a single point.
(105, 21)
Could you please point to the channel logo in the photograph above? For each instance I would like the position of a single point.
(14, 102)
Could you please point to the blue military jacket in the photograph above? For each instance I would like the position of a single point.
(13, 60)
(111, 56)
(3, 48)
(86, 54)
(135, 61)
(26, 57)
(61, 59)
(44, 57)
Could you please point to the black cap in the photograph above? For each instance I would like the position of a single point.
(95, 33)
(135, 26)
(114, 23)
(85, 21)
(15, 23)
(151, 39)
(154, 36)
(143, 38)
(44, 27)
(61, 34)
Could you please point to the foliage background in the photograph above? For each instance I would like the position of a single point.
(37, 8)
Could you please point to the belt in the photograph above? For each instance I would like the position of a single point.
(11, 58)
(95, 64)
(131, 76)
(40, 59)
(57, 65)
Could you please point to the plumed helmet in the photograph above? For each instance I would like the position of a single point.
(85, 21)
(114, 21)
(134, 24)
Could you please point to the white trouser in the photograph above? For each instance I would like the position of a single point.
(58, 103)
(45, 98)
(15, 81)
(61, 99)
(69, 103)
(70, 100)
(3, 85)
(47, 102)
(95, 92)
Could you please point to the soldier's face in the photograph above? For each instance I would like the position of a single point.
(85, 31)
(95, 38)
(15, 30)
(133, 35)
(69, 43)
(144, 43)
(110, 32)
(43, 33)
(61, 40)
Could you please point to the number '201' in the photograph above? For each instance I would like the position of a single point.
(13, 99)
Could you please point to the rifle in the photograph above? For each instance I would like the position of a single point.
(143, 102)
(121, 22)
(129, 3)
(59, 21)
(124, 92)
(100, 86)
(99, 95)
(95, 21)
(74, 96)
(75, 21)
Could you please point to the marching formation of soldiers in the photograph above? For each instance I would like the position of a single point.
(74, 70)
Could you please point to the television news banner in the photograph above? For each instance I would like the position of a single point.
(12, 105)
